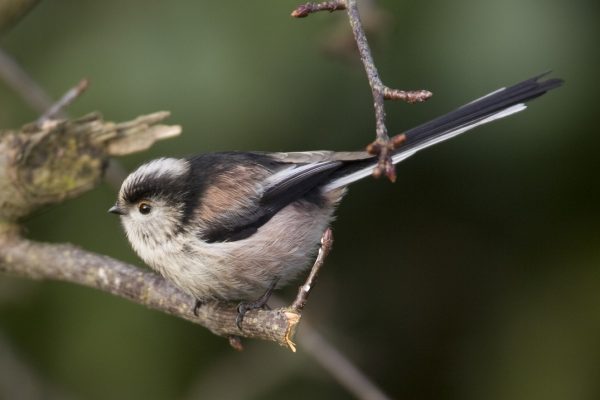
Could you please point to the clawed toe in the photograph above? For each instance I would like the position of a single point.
(259, 303)
(197, 306)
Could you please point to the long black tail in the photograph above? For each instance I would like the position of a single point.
(496, 105)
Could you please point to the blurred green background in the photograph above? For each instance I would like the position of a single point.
(475, 276)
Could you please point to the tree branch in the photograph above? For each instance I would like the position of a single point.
(311, 280)
(383, 146)
(41, 165)
(12, 11)
(65, 262)
(36, 97)
(59, 159)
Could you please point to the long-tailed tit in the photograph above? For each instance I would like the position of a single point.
(234, 225)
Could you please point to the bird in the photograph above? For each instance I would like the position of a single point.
(235, 226)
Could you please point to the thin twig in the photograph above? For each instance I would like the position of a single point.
(412, 96)
(305, 10)
(372, 74)
(304, 291)
(382, 145)
(58, 107)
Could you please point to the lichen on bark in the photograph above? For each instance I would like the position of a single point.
(60, 159)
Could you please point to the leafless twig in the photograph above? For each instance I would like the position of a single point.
(305, 10)
(383, 146)
(57, 108)
(304, 291)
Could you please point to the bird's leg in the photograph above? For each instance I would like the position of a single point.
(261, 302)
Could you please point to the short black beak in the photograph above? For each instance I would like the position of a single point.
(116, 210)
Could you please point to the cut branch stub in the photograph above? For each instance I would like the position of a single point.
(61, 159)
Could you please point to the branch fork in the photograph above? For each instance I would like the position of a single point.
(383, 146)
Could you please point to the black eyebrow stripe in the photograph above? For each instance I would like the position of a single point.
(153, 186)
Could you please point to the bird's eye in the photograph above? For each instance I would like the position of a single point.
(145, 208)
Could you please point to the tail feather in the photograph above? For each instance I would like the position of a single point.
(498, 104)
(481, 108)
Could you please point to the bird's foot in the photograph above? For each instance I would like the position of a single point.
(261, 302)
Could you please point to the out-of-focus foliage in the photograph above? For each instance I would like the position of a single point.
(476, 275)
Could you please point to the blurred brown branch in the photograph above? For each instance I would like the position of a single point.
(23, 84)
(11, 11)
